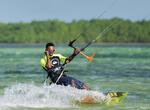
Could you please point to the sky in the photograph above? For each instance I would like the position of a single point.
(67, 10)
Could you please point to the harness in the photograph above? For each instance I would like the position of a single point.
(56, 70)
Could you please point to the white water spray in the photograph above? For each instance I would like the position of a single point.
(30, 95)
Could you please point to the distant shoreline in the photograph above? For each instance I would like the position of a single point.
(94, 44)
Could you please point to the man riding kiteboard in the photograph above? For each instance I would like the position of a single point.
(53, 65)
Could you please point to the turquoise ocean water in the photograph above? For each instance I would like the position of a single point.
(124, 68)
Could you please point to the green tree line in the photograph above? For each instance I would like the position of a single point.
(124, 31)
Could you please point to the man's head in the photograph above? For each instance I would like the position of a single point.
(50, 48)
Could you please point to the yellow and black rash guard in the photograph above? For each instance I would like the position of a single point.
(56, 60)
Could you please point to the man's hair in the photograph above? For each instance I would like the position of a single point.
(49, 44)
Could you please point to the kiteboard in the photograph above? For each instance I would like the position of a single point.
(111, 98)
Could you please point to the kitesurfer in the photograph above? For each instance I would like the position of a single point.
(52, 63)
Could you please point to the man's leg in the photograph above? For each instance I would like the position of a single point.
(77, 84)
(64, 80)
(73, 84)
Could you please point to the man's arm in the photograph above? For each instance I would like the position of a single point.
(48, 63)
(76, 51)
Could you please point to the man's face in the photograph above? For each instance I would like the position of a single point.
(51, 50)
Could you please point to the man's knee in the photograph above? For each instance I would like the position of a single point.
(72, 83)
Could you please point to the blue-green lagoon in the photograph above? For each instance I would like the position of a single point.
(124, 68)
